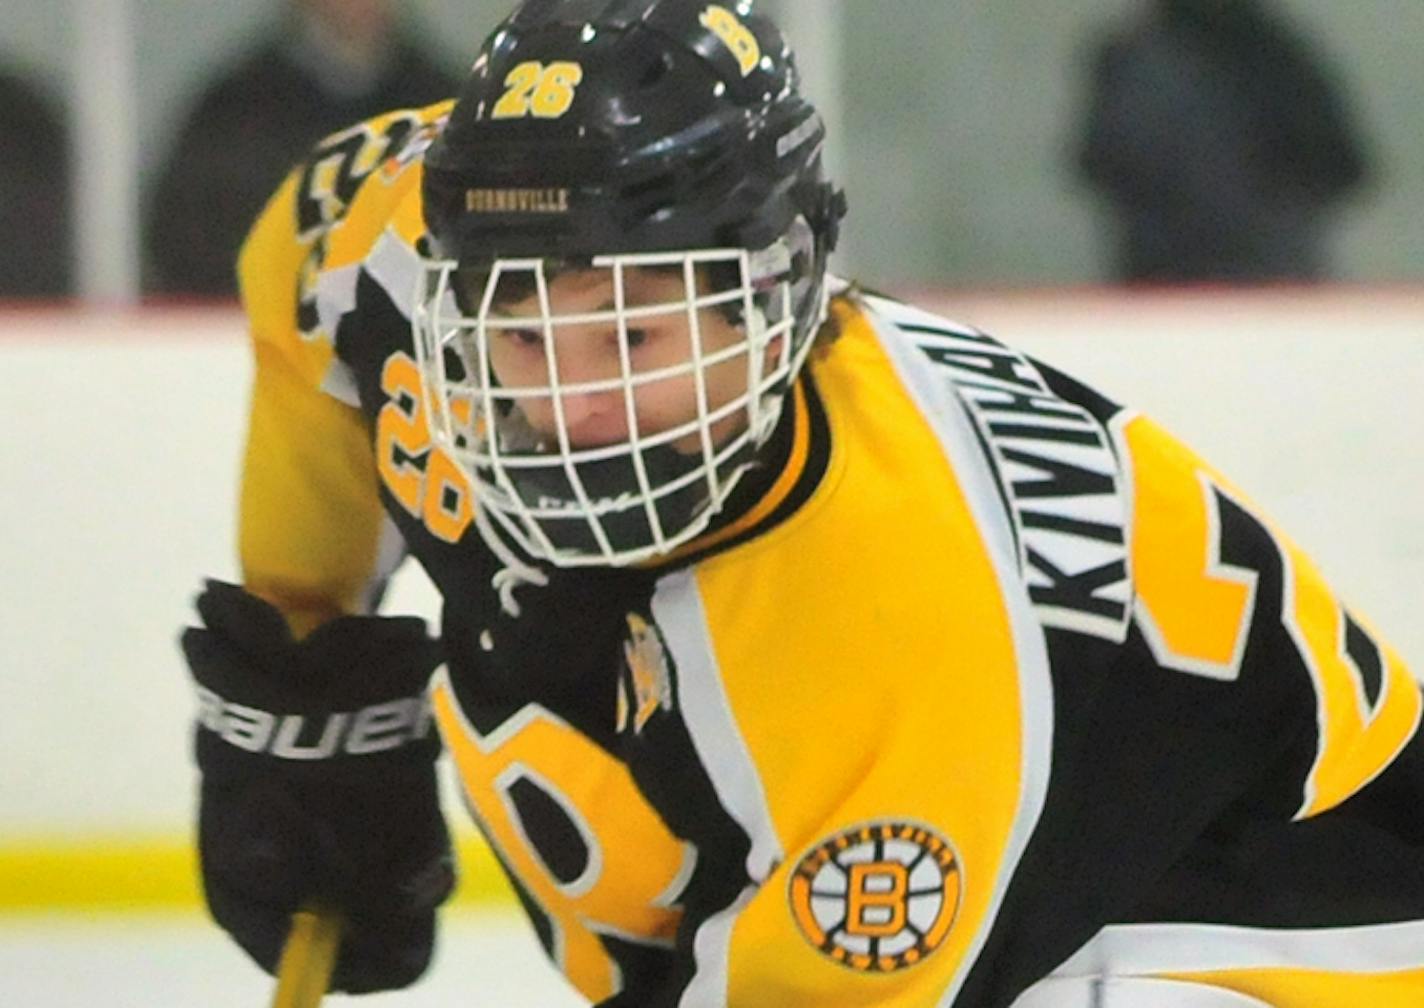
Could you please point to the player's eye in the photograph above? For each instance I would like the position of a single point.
(525, 337)
(636, 338)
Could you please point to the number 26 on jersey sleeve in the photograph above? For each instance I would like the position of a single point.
(421, 477)
(1195, 609)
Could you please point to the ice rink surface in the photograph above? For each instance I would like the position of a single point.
(485, 959)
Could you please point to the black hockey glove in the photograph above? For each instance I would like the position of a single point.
(318, 783)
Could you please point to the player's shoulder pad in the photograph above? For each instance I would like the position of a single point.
(1049, 441)
(351, 204)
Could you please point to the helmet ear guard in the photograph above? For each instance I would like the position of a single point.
(677, 151)
(830, 211)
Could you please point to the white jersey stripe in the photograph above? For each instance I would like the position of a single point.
(677, 609)
(1139, 949)
(941, 408)
(396, 266)
(1130, 992)
(711, 950)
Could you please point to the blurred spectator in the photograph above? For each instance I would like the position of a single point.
(1221, 143)
(327, 65)
(35, 258)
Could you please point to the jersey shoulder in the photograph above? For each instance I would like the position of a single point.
(1050, 443)
(353, 202)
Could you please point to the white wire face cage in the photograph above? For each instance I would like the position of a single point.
(576, 500)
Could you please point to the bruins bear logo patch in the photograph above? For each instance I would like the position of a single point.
(878, 897)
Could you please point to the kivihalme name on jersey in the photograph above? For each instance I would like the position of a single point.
(1059, 475)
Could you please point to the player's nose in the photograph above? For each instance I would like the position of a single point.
(591, 398)
(594, 418)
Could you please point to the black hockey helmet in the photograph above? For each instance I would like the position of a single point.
(685, 129)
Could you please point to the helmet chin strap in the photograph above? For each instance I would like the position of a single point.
(514, 572)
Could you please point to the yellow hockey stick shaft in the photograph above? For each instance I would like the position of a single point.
(308, 958)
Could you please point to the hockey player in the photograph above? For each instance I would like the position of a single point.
(799, 647)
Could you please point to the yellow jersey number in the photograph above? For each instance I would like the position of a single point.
(339, 165)
(423, 479)
(1196, 610)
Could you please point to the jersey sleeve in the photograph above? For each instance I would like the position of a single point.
(310, 515)
(1222, 593)
(312, 536)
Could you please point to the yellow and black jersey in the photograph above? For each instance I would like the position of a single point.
(985, 684)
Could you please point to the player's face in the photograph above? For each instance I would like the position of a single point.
(587, 352)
